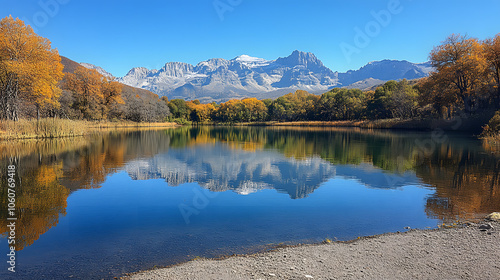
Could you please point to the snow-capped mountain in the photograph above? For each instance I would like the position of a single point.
(219, 79)
(99, 70)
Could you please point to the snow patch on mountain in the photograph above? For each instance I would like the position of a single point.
(252, 62)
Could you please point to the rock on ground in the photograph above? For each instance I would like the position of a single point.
(495, 216)
(463, 252)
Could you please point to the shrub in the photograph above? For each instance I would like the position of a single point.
(181, 121)
(493, 126)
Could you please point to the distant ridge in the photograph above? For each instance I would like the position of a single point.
(219, 79)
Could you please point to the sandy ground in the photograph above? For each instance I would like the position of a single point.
(463, 252)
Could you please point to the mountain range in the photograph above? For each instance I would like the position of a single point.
(219, 79)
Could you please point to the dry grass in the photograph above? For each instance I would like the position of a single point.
(44, 128)
(120, 124)
(386, 123)
(55, 128)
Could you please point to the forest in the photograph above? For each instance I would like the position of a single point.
(35, 84)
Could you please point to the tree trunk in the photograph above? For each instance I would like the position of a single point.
(468, 103)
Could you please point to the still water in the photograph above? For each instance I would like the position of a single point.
(105, 205)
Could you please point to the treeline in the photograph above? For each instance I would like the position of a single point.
(34, 83)
(393, 100)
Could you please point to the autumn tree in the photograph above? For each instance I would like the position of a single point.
(246, 110)
(164, 99)
(492, 55)
(94, 93)
(254, 110)
(439, 95)
(29, 68)
(200, 112)
(111, 92)
(86, 86)
(228, 111)
(459, 61)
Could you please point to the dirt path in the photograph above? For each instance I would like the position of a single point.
(464, 252)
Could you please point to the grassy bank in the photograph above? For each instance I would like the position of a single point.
(471, 124)
(387, 123)
(54, 127)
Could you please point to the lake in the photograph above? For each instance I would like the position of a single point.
(117, 202)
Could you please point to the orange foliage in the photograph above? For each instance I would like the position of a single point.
(492, 54)
(40, 200)
(200, 112)
(461, 67)
(95, 92)
(246, 110)
(29, 68)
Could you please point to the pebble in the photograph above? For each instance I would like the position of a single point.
(309, 276)
(485, 227)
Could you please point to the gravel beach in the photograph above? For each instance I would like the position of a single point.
(469, 251)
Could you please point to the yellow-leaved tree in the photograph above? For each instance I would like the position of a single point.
(492, 54)
(94, 93)
(29, 69)
(461, 68)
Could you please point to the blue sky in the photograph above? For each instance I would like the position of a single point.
(119, 35)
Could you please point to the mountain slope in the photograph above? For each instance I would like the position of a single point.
(128, 92)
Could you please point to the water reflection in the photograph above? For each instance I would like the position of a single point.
(49, 170)
(464, 177)
(467, 182)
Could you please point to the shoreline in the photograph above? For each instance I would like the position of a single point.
(462, 251)
(472, 125)
(58, 128)
(51, 128)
